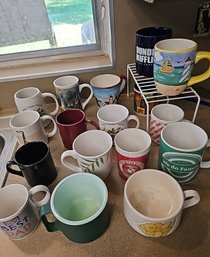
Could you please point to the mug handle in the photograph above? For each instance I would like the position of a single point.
(123, 83)
(205, 75)
(134, 117)
(37, 189)
(67, 164)
(90, 95)
(48, 117)
(12, 171)
(206, 164)
(191, 197)
(92, 122)
(53, 113)
(50, 226)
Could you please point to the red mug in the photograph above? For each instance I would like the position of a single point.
(71, 123)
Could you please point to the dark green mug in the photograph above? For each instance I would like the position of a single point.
(79, 204)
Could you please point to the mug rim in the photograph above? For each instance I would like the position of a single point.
(66, 84)
(17, 116)
(144, 31)
(33, 89)
(109, 106)
(153, 219)
(105, 75)
(192, 45)
(90, 218)
(12, 216)
(66, 111)
(179, 123)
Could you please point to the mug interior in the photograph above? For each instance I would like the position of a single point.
(92, 143)
(112, 113)
(79, 198)
(167, 112)
(132, 140)
(70, 117)
(13, 198)
(184, 136)
(176, 44)
(154, 31)
(26, 92)
(154, 194)
(66, 82)
(31, 153)
(105, 81)
(24, 119)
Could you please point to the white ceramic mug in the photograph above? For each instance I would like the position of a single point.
(28, 126)
(92, 150)
(68, 91)
(113, 118)
(154, 201)
(162, 115)
(30, 98)
(133, 146)
(19, 211)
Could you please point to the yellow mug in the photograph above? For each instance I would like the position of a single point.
(173, 64)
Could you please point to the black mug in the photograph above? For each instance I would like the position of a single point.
(35, 163)
(146, 38)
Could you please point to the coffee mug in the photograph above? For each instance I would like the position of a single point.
(133, 146)
(68, 91)
(92, 150)
(79, 204)
(140, 105)
(35, 163)
(30, 98)
(71, 123)
(154, 202)
(182, 146)
(173, 63)
(28, 126)
(113, 118)
(19, 211)
(107, 88)
(162, 115)
(146, 38)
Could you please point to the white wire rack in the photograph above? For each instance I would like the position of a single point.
(149, 93)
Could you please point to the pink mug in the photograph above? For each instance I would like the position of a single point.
(71, 123)
(132, 146)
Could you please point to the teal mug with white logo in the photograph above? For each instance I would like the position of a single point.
(182, 146)
(79, 204)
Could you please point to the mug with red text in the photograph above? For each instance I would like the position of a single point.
(133, 147)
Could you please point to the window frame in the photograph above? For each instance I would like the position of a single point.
(91, 57)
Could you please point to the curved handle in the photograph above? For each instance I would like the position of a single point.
(206, 164)
(123, 83)
(50, 226)
(37, 189)
(136, 119)
(92, 122)
(54, 130)
(68, 165)
(53, 113)
(205, 75)
(191, 197)
(85, 85)
(10, 170)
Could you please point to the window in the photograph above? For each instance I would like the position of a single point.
(53, 37)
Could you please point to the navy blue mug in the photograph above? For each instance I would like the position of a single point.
(146, 38)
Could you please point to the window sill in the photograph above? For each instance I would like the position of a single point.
(48, 67)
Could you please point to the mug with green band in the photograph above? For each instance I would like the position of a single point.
(182, 146)
(79, 204)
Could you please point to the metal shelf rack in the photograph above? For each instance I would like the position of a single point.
(150, 94)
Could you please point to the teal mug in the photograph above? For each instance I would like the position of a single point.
(79, 204)
(182, 146)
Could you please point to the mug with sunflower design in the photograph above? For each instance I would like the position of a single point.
(154, 201)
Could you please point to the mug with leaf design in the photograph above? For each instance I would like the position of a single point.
(92, 150)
